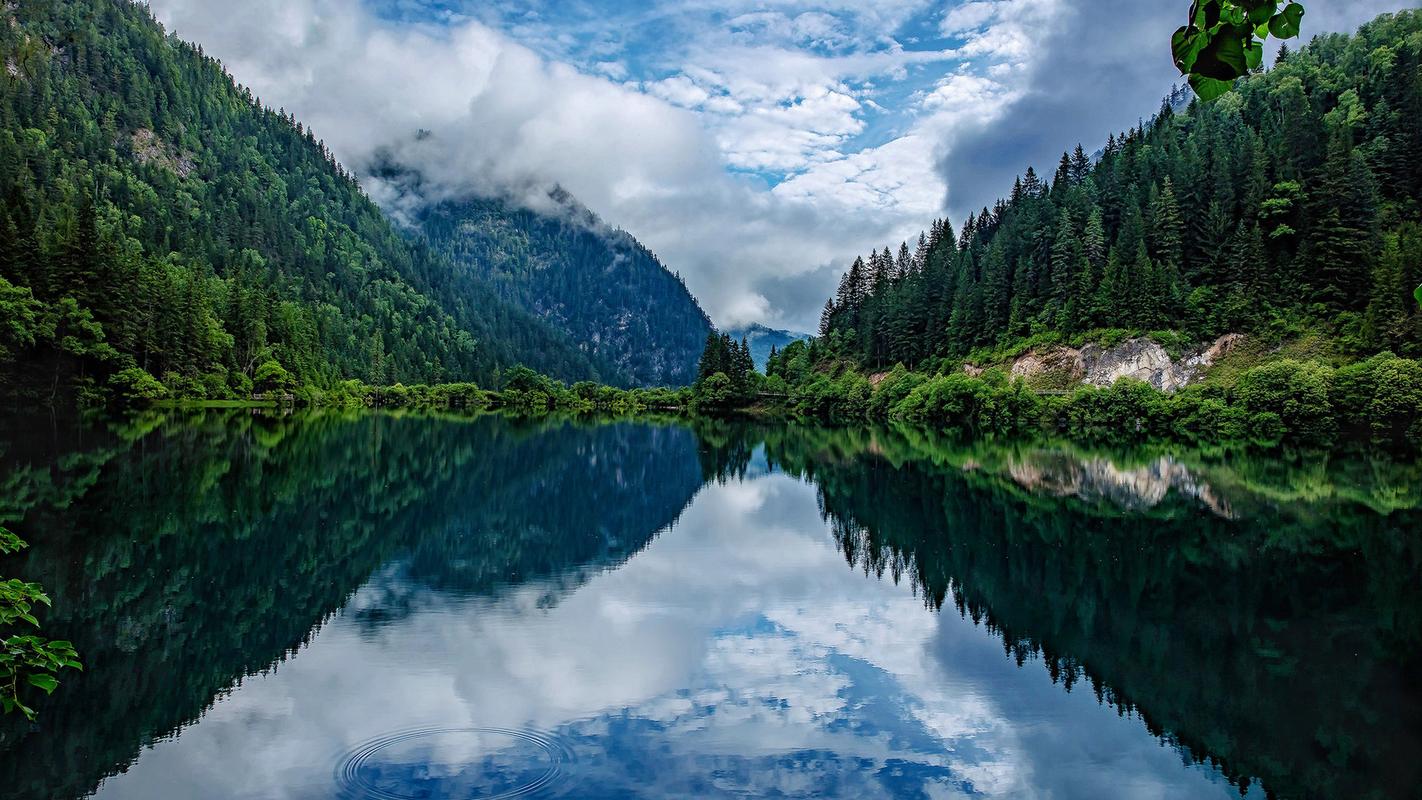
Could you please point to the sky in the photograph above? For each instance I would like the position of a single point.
(756, 147)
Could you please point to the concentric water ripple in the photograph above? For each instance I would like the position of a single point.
(455, 764)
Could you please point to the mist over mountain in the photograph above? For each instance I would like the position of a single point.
(555, 259)
(762, 338)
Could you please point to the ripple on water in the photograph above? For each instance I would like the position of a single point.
(454, 763)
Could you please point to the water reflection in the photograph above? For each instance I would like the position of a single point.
(402, 607)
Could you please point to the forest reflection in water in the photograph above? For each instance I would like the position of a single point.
(383, 606)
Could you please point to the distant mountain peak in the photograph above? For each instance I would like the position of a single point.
(762, 338)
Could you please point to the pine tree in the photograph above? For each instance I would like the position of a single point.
(1167, 228)
(1080, 166)
(1067, 257)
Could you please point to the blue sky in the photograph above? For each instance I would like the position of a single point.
(757, 147)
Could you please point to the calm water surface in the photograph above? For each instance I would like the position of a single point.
(373, 606)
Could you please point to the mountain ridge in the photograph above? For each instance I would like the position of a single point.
(625, 310)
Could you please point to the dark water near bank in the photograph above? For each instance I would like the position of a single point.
(384, 607)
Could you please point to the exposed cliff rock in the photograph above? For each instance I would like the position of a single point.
(1141, 359)
(149, 149)
(1049, 360)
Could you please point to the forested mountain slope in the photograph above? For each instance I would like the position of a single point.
(1288, 208)
(598, 285)
(154, 214)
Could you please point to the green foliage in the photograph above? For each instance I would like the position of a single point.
(726, 376)
(272, 377)
(1382, 395)
(134, 386)
(26, 660)
(1224, 40)
(10, 543)
(1298, 392)
(523, 379)
(169, 221)
(22, 321)
(984, 405)
(717, 391)
(1127, 410)
(892, 390)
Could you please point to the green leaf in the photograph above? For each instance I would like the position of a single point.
(44, 681)
(1285, 24)
(1208, 88)
(10, 543)
(1418, 294)
(1254, 55)
(1260, 13)
(1184, 47)
(1223, 58)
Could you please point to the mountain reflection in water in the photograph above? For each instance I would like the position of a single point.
(383, 606)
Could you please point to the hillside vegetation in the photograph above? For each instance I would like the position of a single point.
(1289, 207)
(157, 220)
(600, 286)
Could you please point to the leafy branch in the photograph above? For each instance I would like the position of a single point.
(26, 660)
(1224, 40)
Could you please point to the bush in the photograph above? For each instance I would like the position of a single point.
(1200, 418)
(1298, 392)
(271, 376)
(717, 391)
(134, 386)
(962, 403)
(1382, 395)
(892, 390)
(1266, 428)
(1128, 409)
(523, 379)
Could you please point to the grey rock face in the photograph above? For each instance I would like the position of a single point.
(1141, 359)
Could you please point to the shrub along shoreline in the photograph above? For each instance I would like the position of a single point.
(1285, 402)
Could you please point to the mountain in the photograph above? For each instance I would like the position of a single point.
(1287, 209)
(156, 215)
(762, 339)
(626, 312)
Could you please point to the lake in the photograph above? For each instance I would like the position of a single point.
(358, 606)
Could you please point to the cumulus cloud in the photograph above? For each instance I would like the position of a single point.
(651, 157)
(755, 146)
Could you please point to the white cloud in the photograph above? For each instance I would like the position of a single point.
(651, 158)
(755, 146)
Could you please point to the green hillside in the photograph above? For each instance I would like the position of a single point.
(1287, 208)
(154, 214)
(600, 286)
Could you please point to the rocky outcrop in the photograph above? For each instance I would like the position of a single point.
(1141, 359)
(1048, 360)
(149, 149)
